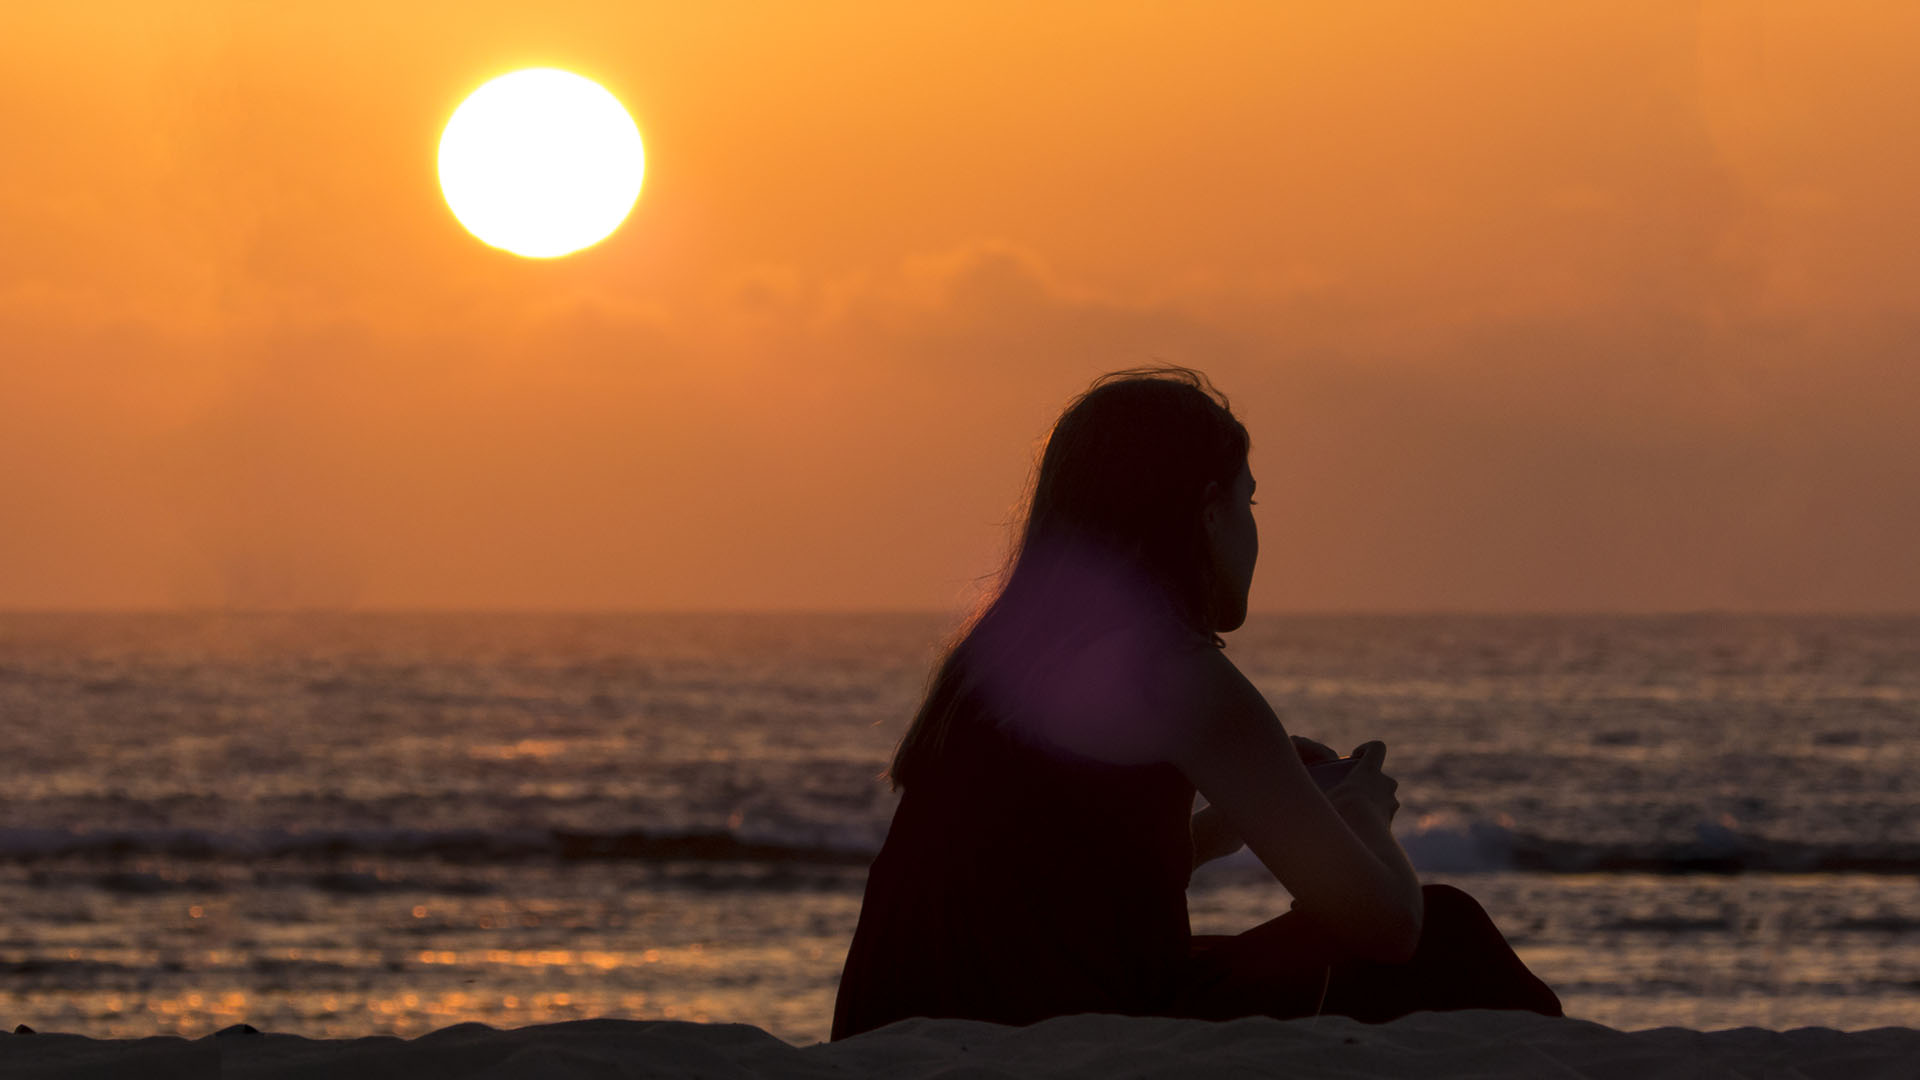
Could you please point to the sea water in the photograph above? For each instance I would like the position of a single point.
(346, 824)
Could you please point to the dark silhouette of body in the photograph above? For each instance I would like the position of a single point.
(1038, 861)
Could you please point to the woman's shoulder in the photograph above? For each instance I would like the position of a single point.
(1123, 697)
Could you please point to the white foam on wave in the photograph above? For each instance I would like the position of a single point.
(1447, 844)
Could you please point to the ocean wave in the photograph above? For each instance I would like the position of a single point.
(1439, 847)
(455, 845)
(1478, 847)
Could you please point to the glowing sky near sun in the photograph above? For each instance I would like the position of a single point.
(1528, 306)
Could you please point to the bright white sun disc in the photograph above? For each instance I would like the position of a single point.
(541, 163)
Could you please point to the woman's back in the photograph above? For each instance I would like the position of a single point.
(1020, 881)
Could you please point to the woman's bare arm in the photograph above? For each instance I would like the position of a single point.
(1334, 852)
(1381, 841)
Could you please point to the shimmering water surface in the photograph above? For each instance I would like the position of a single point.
(348, 824)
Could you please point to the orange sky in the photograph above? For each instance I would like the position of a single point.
(1528, 306)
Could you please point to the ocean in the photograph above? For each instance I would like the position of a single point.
(350, 824)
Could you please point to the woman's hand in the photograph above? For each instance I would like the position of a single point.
(1312, 753)
(1377, 793)
(1366, 793)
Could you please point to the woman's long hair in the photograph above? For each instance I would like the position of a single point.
(1112, 536)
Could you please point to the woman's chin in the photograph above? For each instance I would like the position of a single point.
(1226, 622)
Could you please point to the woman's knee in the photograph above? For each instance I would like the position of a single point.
(1460, 933)
(1454, 911)
(1448, 899)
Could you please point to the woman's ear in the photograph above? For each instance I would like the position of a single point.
(1210, 497)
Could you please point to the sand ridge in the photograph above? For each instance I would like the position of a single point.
(1440, 1045)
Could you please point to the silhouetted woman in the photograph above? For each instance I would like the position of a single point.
(1038, 861)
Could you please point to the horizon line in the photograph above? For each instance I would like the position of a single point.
(1434, 612)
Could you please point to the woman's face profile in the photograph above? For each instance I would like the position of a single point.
(1233, 541)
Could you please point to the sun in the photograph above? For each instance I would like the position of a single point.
(541, 163)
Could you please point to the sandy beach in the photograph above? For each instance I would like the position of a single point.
(1463, 1044)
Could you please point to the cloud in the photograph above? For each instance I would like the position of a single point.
(801, 439)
